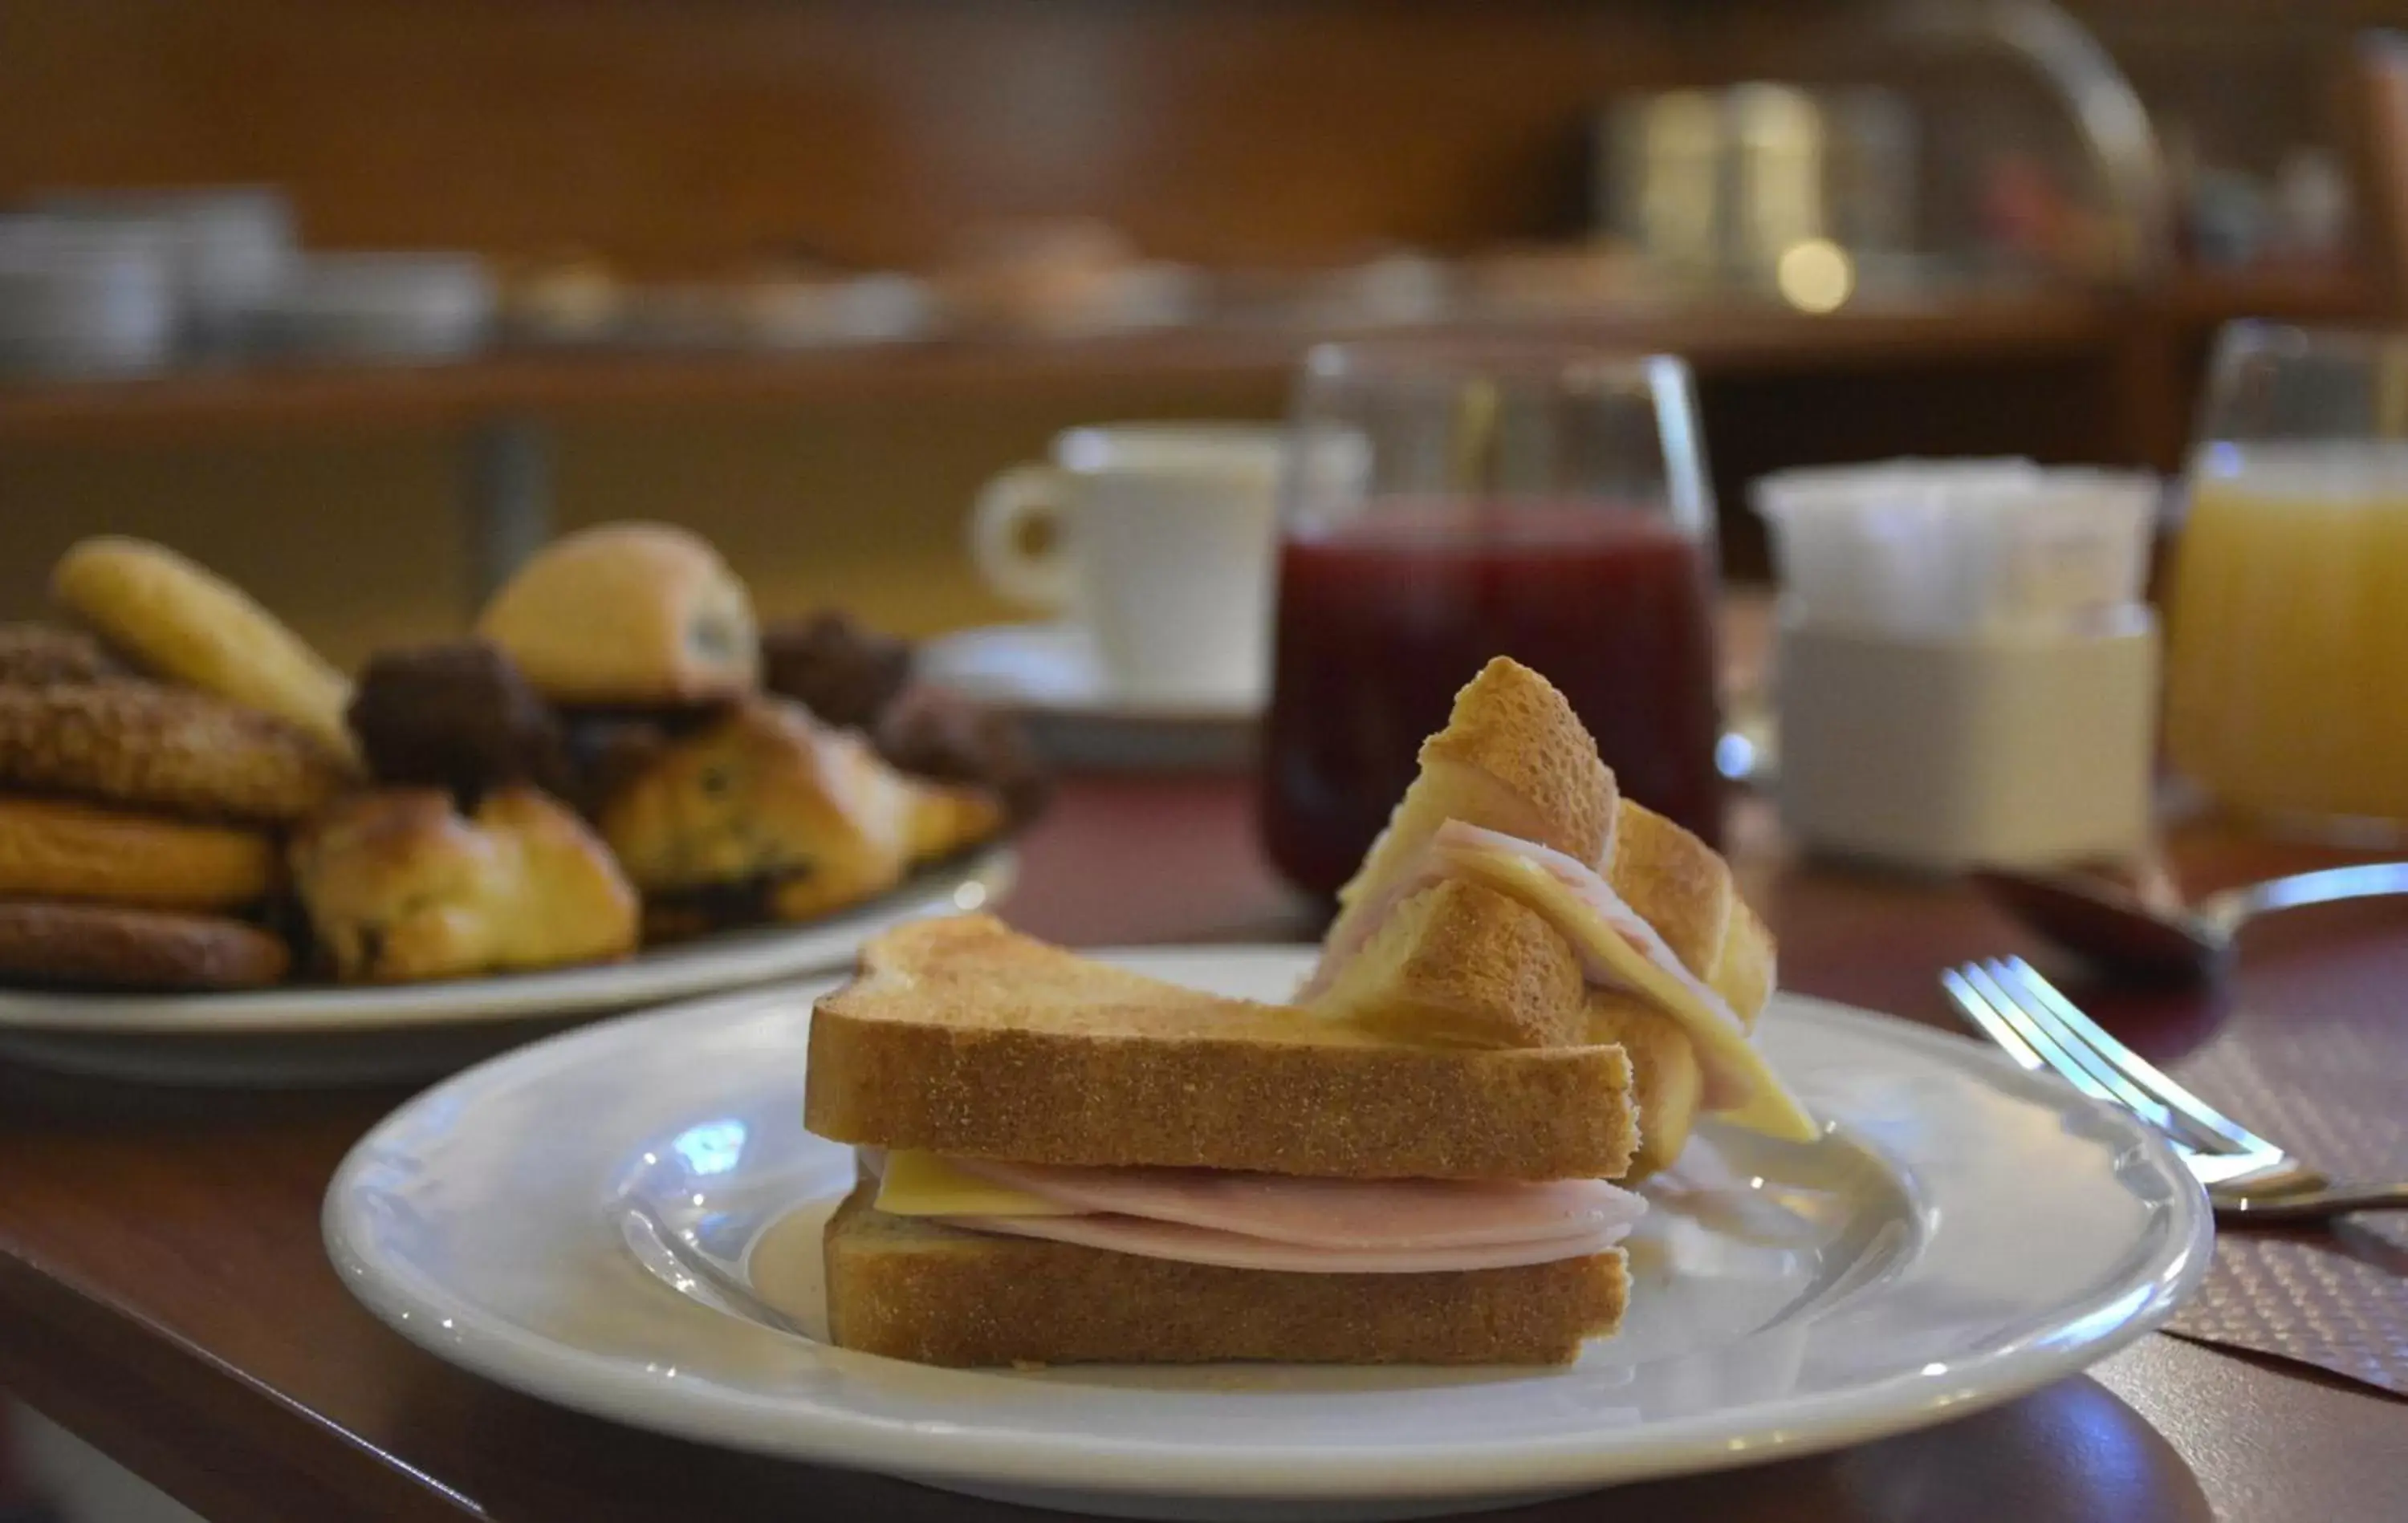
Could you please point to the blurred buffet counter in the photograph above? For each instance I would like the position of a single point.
(1728, 341)
(803, 274)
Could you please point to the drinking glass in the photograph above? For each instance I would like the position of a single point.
(2286, 687)
(1446, 501)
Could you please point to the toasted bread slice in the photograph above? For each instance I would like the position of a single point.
(961, 1036)
(1664, 1074)
(912, 1288)
(1461, 963)
(1514, 758)
(1683, 888)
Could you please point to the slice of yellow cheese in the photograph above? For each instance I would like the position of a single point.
(914, 1184)
(1771, 1108)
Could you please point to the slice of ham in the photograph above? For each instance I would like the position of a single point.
(1340, 1215)
(1233, 1250)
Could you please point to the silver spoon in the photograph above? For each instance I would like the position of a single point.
(2124, 934)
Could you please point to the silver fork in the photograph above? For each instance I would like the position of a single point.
(2248, 1179)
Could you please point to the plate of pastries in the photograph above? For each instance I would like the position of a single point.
(223, 860)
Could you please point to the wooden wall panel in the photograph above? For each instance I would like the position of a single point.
(682, 135)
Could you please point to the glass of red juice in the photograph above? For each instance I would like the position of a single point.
(1445, 502)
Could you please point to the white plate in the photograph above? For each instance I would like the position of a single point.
(590, 1220)
(329, 1034)
(1050, 675)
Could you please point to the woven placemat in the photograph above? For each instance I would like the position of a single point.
(2334, 1299)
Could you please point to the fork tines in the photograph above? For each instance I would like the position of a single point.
(2040, 1027)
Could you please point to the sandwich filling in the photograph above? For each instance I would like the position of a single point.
(1241, 1220)
(1619, 951)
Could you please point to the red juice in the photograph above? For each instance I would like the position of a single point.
(1380, 621)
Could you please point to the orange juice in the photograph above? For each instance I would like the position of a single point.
(2287, 678)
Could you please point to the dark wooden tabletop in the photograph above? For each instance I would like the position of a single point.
(162, 1293)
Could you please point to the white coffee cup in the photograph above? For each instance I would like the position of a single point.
(1157, 537)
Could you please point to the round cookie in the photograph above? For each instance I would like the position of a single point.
(103, 946)
(627, 614)
(158, 747)
(186, 622)
(50, 849)
(41, 654)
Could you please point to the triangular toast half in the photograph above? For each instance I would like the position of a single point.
(1472, 963)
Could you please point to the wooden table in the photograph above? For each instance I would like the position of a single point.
(161, 1290)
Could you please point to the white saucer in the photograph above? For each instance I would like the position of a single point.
(1050, 675)
(589, 1219)
(320, 1035)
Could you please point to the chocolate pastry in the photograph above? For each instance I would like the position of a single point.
(690, 913)
(934, 733)
(844, 674)
(606, 751)
(457, 716)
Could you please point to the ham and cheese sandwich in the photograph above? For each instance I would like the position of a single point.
(1533, 989)
(1066, 1162)
(1516, 900)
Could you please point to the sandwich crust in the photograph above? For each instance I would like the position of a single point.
(961, 1036)
(1664, 1074)
(912, 1288)
(1748, 969)
(1675, 880)
(1683, 888)
(1513, 757)
(1512, 724)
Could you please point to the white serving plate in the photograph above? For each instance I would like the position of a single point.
(320, 1033)
(625, 1220)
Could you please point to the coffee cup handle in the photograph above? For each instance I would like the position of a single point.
(1007, 508)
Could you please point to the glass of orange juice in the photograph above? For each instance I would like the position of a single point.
(2287, 676)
